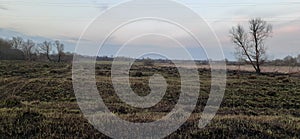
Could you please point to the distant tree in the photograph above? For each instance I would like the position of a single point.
(8, 53)
(17, 42)
(226, 61)
(4, 44)
(250, 45)
(298, 59)
(60, 50)
(46, 48)
(28, 49)
(148, 62)
(289, 59)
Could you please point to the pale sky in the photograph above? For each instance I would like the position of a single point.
(67, 19)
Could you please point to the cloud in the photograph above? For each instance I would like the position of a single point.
(9, 33)
(288, 29)
(3, 8)
(100, 5)
(73, 40)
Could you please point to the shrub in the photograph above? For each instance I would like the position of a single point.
(252, 77)
(138, 74)
(28, 124)
(11, 101)
(148, 62)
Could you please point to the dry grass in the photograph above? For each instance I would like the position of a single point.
(37, 101)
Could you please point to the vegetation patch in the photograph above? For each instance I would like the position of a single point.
(41, 103)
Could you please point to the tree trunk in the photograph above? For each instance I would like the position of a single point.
(258, 71)
(59, 56)
(49, 57)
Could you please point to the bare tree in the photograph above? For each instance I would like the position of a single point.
(4, 44)
(7, 52)
(28, 49)
(46, 48)
(250, 46)
(17, 42)
(298, 63)
(60, 50)
(291, 61)
(298, 59)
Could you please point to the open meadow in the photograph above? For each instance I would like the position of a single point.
(37, 101)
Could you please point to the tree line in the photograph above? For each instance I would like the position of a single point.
(249, 43)
(18, 48)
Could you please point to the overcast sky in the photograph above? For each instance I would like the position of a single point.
(67, 19)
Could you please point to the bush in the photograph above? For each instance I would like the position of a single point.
(138, 74)
(148, 62)
(11, 101)
(252, 77)
(28, 124)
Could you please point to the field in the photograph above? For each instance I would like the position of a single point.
(295, 70)
(37, 101)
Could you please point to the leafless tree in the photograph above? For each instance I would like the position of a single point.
(298, 63)
(250, 45)
(291, 61)
(60, 50)
(298, 59)
(46, 48)
(17, 42)
(28, 49)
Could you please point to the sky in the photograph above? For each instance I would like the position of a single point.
(66, 20)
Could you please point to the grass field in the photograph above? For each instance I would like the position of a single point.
(37, 101)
